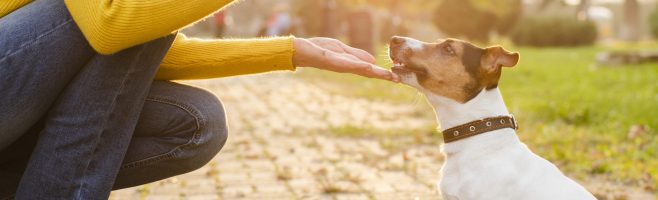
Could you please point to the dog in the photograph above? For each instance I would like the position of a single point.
(484, 157)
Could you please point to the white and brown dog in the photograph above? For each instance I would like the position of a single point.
(484, 157)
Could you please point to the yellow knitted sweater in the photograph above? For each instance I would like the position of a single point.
(113, 25)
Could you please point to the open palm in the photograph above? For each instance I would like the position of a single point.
(333, 55)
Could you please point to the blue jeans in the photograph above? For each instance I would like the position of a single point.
(75, 124)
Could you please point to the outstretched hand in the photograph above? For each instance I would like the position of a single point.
(333, 55)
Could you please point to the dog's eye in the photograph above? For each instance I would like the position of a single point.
(448, 49)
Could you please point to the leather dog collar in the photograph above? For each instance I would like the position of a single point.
(479, 126)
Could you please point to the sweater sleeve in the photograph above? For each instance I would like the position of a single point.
(190, 58)
(114, 25)
(8, 6)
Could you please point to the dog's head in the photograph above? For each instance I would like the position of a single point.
(450, 68)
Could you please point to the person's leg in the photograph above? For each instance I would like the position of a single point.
(180, 129)
(44, 59)
(13, 161)
(41, 50)
(88, 130)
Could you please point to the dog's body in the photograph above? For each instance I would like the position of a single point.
(496, 165)
(491, 165)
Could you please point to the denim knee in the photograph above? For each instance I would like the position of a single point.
(181, 128)
(204, 120)
(212, 131)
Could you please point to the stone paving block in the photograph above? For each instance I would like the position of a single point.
(373, 147)
(316, 197)
(413, 188)
(306, 151)
(208, 187)
(200, 172)
(124, 194)
(305, 186)
(279, 187)
(311, 158)
(194, 182)
(233, 177)
(262, 176)
(286, 161)
(397, 196)
(270, 196)
(162, 197)
(202, 197)
(230, 166)
(259, 165)
(227, 153)
(378, 187)
(351, 196)
(164, 188)
(347, 186)
(236, 191)
(395, 177)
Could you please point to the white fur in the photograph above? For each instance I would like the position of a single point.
(413, 44)
(493, 165)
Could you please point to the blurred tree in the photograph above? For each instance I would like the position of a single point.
(545, 31)
(631, 25)
(653, 23)
(477, 19)
(317, 17)
(581, 9)
(324, 17)
(631, 20)
(414, 6)
(360, 30)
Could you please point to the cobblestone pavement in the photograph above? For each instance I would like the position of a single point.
(281, 146)
(291, 139)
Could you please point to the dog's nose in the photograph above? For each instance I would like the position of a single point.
(396, 40)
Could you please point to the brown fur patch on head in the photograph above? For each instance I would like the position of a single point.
(459, 70)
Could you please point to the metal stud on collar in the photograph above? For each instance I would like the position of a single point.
(514, 123)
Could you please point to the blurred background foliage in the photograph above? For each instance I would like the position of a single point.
(653, 20)
(554, 31)
(484, 18)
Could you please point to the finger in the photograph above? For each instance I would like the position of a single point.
(359, 53)
(328, 43)
(380, 73)
(341, 62)
(340, 47)
(396, 77)
(350, 56)
(344, 64)
(363, 69)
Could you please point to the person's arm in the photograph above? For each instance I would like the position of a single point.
(114, 25)
(191, 58)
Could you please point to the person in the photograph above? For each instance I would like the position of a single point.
(87, 105)
(278, 23)
(220, 23)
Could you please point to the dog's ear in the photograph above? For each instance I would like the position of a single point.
(497, 57)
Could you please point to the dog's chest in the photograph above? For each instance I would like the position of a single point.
(483, 176)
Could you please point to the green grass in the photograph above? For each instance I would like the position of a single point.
(571, 112)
